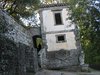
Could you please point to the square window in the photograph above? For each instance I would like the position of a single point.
(60, 38)
(58, 19)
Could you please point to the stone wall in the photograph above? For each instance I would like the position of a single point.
(27, 55)
(17, 32)
(61, 59)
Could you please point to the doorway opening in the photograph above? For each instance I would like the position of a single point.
(37, 43)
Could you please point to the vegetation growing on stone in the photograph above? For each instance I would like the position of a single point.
(8, 54)
(12, 55)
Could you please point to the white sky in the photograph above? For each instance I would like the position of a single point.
(37, 21)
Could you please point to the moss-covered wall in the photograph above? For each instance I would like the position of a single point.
(8, 55)
(15, 58)
(17, 54)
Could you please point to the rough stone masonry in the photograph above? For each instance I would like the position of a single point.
(27, 55)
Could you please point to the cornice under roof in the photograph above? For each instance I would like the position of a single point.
(53, 5)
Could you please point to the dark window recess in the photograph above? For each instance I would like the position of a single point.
(58, 18)
(60, 38)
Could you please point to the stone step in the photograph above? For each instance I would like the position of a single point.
(52, 72)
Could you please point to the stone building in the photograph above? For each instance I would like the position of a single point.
(61, 49)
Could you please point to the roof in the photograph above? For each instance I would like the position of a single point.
(53, 5)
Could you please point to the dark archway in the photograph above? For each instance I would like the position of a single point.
(37, 42)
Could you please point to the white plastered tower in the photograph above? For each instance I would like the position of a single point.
(60, 37)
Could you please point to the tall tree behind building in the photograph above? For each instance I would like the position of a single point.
(20, 8)
(86, 14)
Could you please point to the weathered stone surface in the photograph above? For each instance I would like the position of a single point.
(61, 59)
(17, 32)
(27, 55)
(60, 72)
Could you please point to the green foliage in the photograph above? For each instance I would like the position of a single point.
(87, 17)
(20, 8)
(97, 59)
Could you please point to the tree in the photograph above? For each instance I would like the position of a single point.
(86, 14)
(20, 8)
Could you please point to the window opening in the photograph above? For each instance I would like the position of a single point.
(58, 20)
(60, 38)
